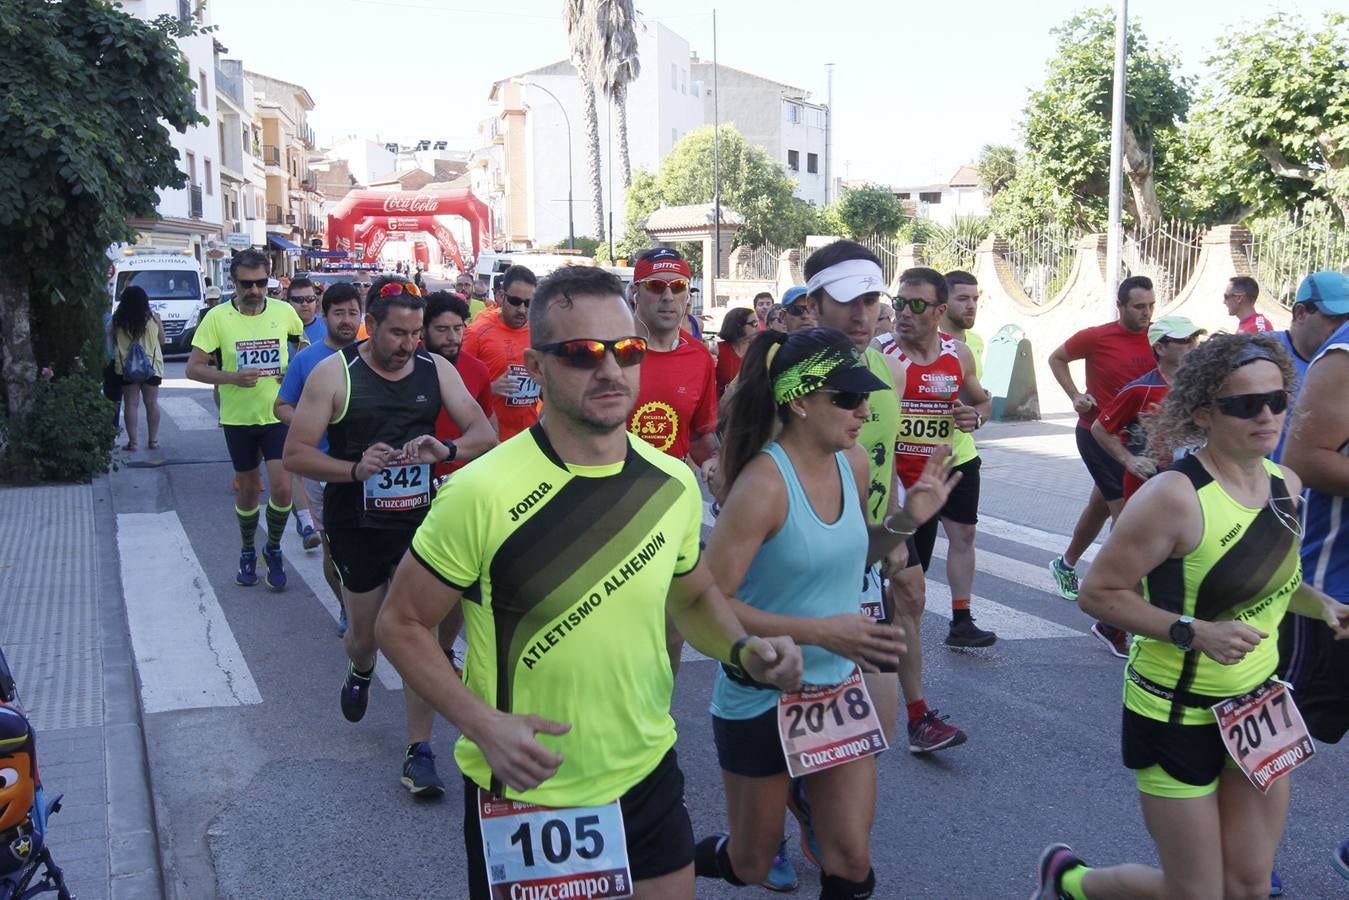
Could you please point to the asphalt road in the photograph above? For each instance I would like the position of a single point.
(262, 789)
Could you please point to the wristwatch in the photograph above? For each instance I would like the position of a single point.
(734, 670)
(1182, 633)
(454, 451)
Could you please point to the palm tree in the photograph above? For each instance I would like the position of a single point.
(584, 40)
(616, 22)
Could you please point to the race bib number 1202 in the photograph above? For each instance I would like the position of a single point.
(538, 851)
(1265, 733)
(262, 356)
(827, 726)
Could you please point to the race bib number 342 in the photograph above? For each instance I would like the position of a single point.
(399, 488)
(1264, 733)
(540, 853)
(825, 727)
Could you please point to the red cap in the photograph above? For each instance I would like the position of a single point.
(663, 261)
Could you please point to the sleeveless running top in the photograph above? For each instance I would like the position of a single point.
(1325, 558)
(379, 409)
(877, 437)
(928, 396)
(1246, 567)
(809, 569)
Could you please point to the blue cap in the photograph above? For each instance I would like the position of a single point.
(791, 294)
(1328, 290)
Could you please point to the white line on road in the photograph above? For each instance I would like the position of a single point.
(1011, 624)
(187, 414)
(185, 651)
(1031, 537)
(1031, 575)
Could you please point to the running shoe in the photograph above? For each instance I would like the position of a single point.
(1054, 862)
(781, 877)
(1275, 884)
(276, 570)
(342, 621)
(800, 808)
(1342, 859)
(1117, 639)
(248, 569)
(355, 694)
(932, 733)
(1066, 576)
(964, 633)
(419, 772)
(309, 535)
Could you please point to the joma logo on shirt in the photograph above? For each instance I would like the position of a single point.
(1227, 538)
(528, 502)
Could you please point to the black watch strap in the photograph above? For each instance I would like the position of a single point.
(734, 669)
(453, 448)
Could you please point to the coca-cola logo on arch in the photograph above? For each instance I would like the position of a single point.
(409, 203)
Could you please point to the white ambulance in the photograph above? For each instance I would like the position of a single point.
(175, 286)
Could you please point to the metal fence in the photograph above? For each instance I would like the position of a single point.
(1041, 260)
(1284, 249)
(1167, 254)
(762, 263)
(886, 250)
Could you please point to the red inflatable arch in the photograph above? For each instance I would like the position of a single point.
(368, 237)
(360, 204)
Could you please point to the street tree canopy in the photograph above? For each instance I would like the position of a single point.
(88, 89)
(871, 209)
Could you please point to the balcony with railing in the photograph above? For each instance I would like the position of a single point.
(194, 201)
(274, 215)
(271, 155)
(309, 182)
(231, 84)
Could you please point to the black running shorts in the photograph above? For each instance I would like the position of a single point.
(750, 747)
(660, 835)
(962, 506)
(248, 444)
(1191, 754)
(1105, 470)
(365, 558)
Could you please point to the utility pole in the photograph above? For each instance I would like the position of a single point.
(716, 169)
(1115, 230)
(828, 131)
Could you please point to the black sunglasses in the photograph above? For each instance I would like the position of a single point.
(847, 399)
(251, 282)
(517, 301)
(588, 353)
(796, 311)
(1248, 406)
(917, 304)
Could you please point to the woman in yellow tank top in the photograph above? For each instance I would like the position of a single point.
(1214, 543)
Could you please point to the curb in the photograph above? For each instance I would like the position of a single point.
(136, 864)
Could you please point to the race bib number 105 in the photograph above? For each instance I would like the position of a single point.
(261, 356)
(1264, 732)
(536, 851)
(825, 727)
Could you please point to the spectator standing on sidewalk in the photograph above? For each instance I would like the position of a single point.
(136, 325)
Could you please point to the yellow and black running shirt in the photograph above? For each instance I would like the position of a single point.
(565, 570)
(260, 342)
(1246, 567)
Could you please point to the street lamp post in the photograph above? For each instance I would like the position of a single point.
(571, 218)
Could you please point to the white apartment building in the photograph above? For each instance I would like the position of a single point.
(941, 200)
(293, 203)
(243, 181)
(190, 217)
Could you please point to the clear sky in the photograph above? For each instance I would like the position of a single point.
(918, 88)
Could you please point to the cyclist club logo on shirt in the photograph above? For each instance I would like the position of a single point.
(656, 423)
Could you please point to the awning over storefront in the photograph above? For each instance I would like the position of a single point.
(327, 254)
(290, 247)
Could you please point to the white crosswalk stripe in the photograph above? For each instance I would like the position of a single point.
(187, 414)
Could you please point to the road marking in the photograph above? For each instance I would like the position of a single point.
(188, 414)
(1031, 537)
(1010, 624)
(1031, 575)
(309, 564)
(185, 651)
(1053, 446)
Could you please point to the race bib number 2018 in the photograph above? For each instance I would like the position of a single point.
(1264, 733)
(262, 356)
(537, 851)
(825, 727)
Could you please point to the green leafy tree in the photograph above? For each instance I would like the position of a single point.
(870, 210)
(752, 184)
(88, 89)
(1275, 123)
(1067, 128)
(996, 167)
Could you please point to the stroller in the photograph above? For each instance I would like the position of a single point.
(23, 808)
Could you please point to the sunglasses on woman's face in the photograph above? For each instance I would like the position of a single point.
(1248, 406)
(585, 353)
(848, 400)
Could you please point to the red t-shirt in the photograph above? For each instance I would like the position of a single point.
(1121, 418)
(1115, 356)
(678, 398)
(728, 366)
(479, 385)
(502, 349)
(1254, 324)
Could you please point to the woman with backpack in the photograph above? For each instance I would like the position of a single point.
(139, 359)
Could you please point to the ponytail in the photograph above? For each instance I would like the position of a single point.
(751, 414)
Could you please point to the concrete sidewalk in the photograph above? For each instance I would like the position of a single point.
(63, 629)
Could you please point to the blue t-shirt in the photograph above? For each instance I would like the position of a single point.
(316, 330)
(298, 373)
(1325, 562)
(1300, 369)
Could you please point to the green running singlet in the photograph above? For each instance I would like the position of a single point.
(1246, 567)
(878, 436)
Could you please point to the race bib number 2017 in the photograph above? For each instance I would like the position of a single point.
(262, 356)
(1264, 732)
(540, 852)
(825, 727)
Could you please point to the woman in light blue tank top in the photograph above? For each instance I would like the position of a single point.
(788, 546)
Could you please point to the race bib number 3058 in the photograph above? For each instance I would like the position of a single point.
(825, 727)
(262, 356)
(923, 424)
(1264, 732)
(540, 853)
